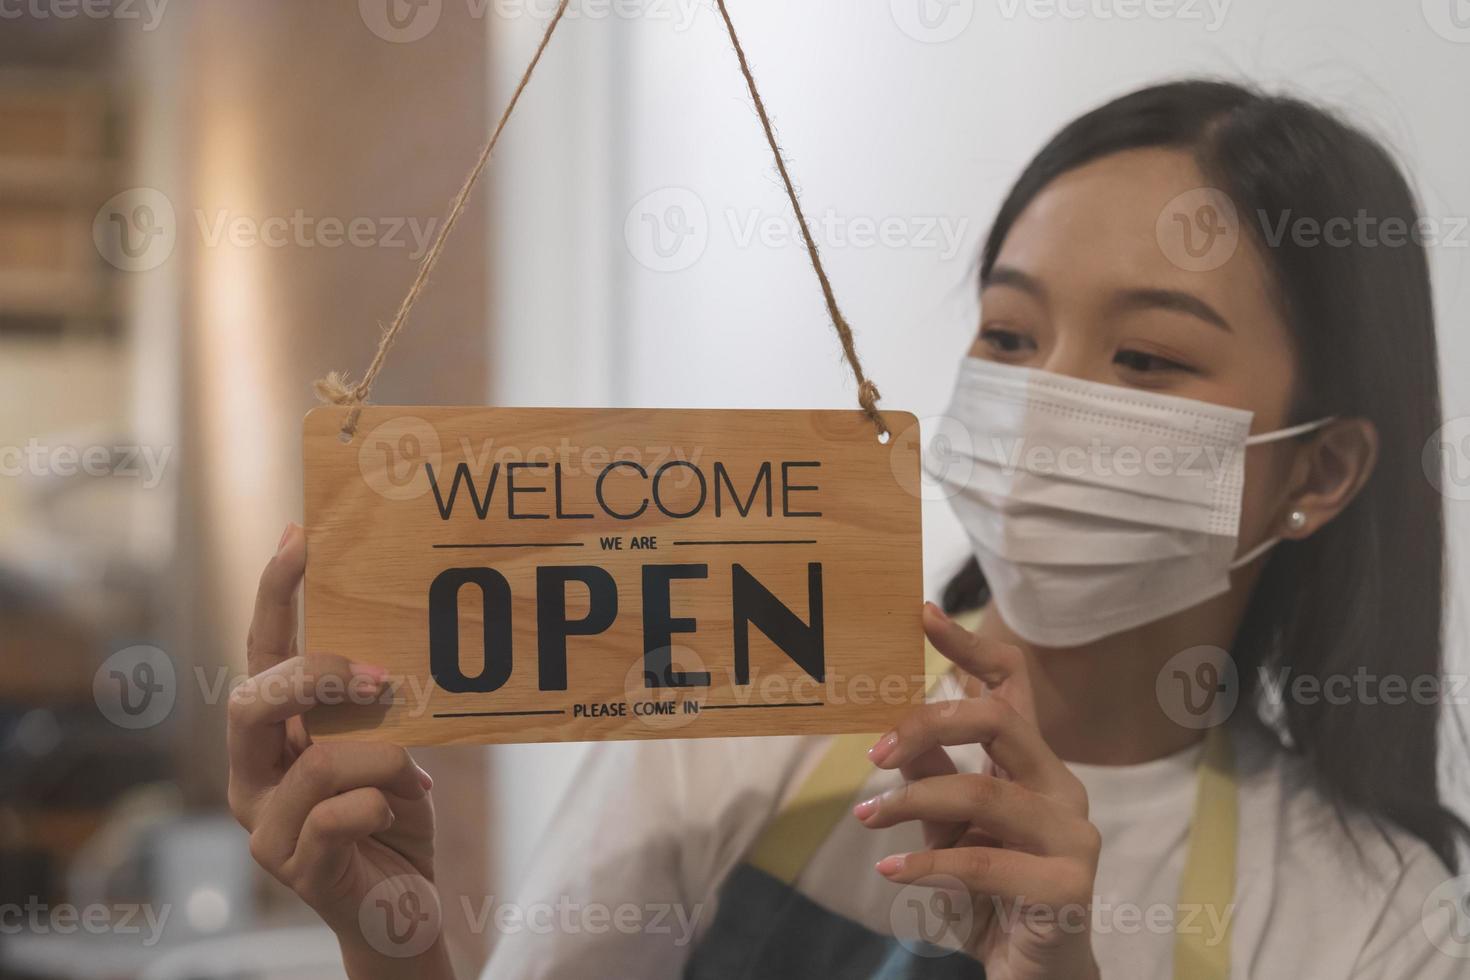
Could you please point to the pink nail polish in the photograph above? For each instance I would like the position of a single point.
(368, 670)
(891, 865)
(285, 536)
(883, 748)
(425, 780)
(866, 808)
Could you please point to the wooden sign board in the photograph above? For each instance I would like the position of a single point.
(531, 575)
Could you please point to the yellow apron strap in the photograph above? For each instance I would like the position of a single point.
(789, 841)
(1207, 888)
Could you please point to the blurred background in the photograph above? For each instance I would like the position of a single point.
(207, 204)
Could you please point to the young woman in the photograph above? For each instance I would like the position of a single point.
(1075, 818)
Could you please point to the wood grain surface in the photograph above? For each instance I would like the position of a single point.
(533, 575)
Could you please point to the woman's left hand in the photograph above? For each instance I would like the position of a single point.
(1017, 839)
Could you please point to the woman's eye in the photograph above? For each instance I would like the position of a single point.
(1002, 341)
(1145, 363)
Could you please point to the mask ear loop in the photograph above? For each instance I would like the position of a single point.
(1277, 436)
(1255, 553)
(1290, 433)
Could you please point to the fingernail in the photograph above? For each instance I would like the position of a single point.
(866, 808)
(938, 613)
(883, 748)
(425, 780)
(285, 536)
(891, 865)
(377, 673)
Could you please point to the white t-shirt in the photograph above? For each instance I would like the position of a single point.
(626, 879)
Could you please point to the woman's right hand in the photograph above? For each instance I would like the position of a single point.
(333, 821)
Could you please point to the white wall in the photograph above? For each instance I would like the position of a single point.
(878, 122)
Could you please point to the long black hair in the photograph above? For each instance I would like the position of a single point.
(1366, 592)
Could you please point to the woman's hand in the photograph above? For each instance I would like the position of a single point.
(347, 825)
(1017, 838)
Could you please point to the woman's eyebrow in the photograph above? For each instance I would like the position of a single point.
(1170, 299)
(1005, 275)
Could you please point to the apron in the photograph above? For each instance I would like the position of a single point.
(764, 927)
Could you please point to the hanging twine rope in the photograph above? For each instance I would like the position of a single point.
(867, 391)
(335, 388)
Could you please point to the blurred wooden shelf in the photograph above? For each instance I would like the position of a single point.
(57, 167)
(62, 295)
(37, 178)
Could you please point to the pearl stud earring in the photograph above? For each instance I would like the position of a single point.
(1296, 520)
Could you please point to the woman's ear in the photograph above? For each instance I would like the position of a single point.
(1329, 470)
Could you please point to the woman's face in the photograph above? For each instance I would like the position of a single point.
(1084, 286)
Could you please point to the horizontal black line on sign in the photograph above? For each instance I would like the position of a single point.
(788, 704)
(518, 544)
(494, 714)
(775, 541)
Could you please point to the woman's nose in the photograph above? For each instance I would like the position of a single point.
(1074, 358)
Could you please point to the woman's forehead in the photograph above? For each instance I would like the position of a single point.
(1144, 218)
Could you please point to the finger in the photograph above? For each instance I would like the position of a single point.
(935, 762)
(993, 663)
(260, 705)
(1010, 740)
(1007, 811)
(1015, 875)
(330, 835)
(326, 770)
(272, 636)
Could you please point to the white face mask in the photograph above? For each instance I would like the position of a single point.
(1094, 508)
